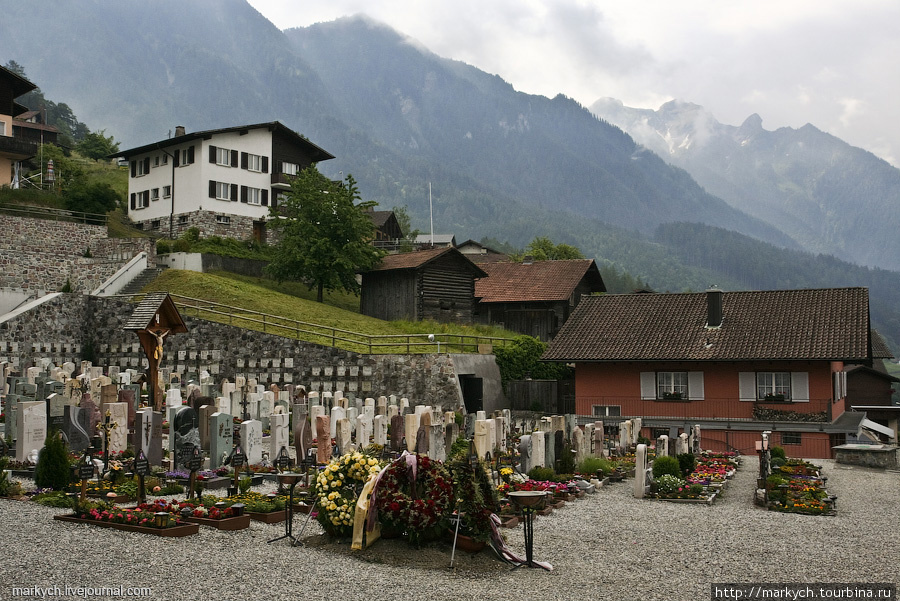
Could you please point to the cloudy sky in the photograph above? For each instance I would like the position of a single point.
(832, 63)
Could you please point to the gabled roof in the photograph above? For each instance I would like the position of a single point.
(317, 153)
(18, 84)
(420, 258)
(880, 348)
(156, 303)
(538, 281)
(379, 218)
(824, 324)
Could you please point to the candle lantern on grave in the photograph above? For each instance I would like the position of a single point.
(154, 319)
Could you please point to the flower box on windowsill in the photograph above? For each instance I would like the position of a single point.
(775, 398)
(672, 396)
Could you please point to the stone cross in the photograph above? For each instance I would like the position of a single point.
(538, 448)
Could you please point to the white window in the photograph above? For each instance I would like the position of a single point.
(290, 168)
(140, 168)
(167, 191)
(186, 156)
(154, 194)
(607, 410)
(223, 219)
(223, 157)
(672, 385)
(254, 196)
(254, 162)
(156, 161)
(223, 191)
(2, 128)
(773, 385)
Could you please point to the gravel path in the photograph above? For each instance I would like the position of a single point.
(604, 546)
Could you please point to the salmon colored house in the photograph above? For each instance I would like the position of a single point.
(736, 363)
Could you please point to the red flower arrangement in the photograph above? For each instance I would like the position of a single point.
(414, 495)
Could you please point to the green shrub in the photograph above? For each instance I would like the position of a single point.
(777, 461)
(244, 485)
(565, 464)
(52, 470)
(688, 462)
(521, 358)
(459, 449)
(777, 452)
(589, 466)
(163, 247)
(541, 473)
(192, 234)
(54, 499)
(181, 246)
(666, 465)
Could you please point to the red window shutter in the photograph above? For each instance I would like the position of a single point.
(264, 197)
(265, 164)
(212, 154)
(212, 189)
(244, 158)
(234, 158)
(234, 192)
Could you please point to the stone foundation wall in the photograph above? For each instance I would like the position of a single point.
(73, 327)
(40, 254)
(208, 222)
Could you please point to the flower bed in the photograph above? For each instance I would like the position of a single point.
(179, 530)
(798, 488)
(671, 488)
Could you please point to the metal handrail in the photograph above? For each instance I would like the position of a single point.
(55, 214)
(332, 335)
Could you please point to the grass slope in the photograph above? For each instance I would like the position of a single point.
(248, 297)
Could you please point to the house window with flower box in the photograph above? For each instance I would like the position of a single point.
(672, 386)
(774, 386)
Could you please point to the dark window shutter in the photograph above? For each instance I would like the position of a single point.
(274, 199)
(212, 189)
(265, 164)
(212, 154)
(133, 202)
(133, 168)
(234, 158)
(244, 158)
(190, 155)
(147, 165)
(243, 193)
(264, 197)
(280, 166)
(234, 192)
(176, 156)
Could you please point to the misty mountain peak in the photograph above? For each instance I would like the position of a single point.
(752, 124)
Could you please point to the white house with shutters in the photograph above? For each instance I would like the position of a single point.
(221, 181)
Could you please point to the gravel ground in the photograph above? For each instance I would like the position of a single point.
(604, 546)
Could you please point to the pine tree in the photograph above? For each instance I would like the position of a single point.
(53, 470)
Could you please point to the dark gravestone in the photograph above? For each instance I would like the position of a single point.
(559, 445)
(397, 428)
(126, 395)
(93, 413)
(422, 440)
(55, 411)
(74, 428)
(184, 427)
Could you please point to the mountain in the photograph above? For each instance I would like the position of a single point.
(829, 196)
(501, 163)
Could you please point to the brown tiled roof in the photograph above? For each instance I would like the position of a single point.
(538, 281)
(880, 348)
(778, 324)
(416, 259)
(379, 218)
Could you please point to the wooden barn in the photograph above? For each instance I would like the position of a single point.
(535, 298)
(436, 284)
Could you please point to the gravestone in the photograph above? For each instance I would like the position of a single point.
(636, 425)
(538, 449)
(599, 439)
(695, 443)
(681, 444)
(437, 449)
(184, 428)
(221, 438)
(323, 439)
(31, 428)
(74, 428)
(251, 440)
(624, 435)
(380, 430)
(337, 414)
(451, 433)
(344, 436)
(266, 406)
(392, 411)
(422, 435)
(482, 437)
(128, 396)
(278, 433)
(398, 429)
(363, 431)
(579, 445)
(662, 446)
(205, 412)
(302, 432)
(55, 414)
(641, 470)
(411, 430)
(93, 413)
(589, 439)
(118, 436)
(143, 431)
(559, 446)
(525, 458)
(550, 449)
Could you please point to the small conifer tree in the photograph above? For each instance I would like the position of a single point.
(52, 470)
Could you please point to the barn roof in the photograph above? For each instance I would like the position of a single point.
(537, 281)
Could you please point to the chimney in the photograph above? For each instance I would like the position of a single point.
(714, 308)
(179, 130)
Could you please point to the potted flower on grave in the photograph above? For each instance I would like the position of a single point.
(476, 501)
(337, 488)
(414, 495)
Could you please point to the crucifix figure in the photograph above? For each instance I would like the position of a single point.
(159, 334)
(148, 428)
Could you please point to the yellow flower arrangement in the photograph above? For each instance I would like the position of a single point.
(337, 488)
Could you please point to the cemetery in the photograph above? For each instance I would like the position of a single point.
(232, 466)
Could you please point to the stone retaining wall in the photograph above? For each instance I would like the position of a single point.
(41, 254)
(72, 327)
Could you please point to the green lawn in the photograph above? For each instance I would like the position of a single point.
(288, 309)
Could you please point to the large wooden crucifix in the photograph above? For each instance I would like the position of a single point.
(154, 319)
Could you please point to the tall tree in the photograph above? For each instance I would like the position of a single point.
(325, 234)
(543, 248)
